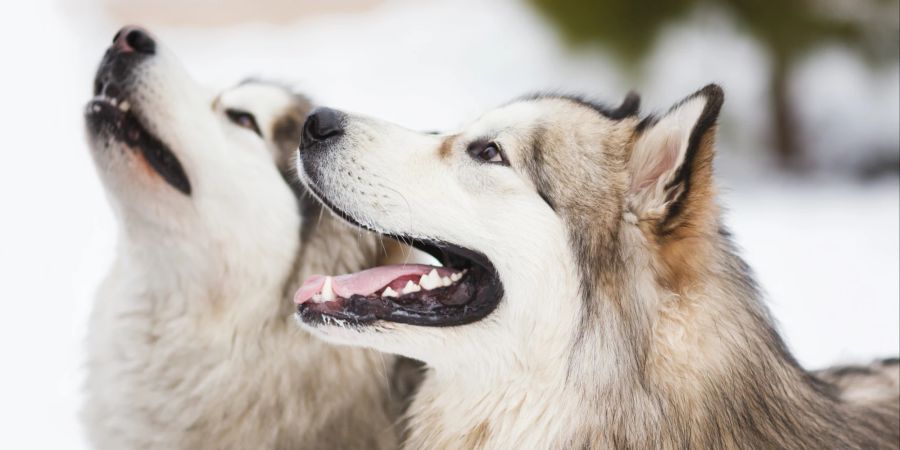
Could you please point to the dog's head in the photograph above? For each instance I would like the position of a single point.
(530, 208)
(181, 161)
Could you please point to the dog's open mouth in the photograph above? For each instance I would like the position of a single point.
(465, 289)
(110, 112)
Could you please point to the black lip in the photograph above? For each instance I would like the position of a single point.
(472, 299)
(111, 87)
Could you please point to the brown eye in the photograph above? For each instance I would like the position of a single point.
(487, 152)
(243, 119)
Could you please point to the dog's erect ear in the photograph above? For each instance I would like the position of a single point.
(672, 155)
(629, 107)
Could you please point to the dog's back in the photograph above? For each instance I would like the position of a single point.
(877, 383)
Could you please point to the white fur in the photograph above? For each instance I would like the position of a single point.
(191, 343)
(526, 340)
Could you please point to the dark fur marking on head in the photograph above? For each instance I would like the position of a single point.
(547, 200)
(286, 132)
(645, 123)
(534, 162)
(446, 147)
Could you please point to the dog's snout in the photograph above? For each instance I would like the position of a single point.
(323, 124)
(134, 39)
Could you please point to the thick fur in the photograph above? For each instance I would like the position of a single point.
(191, 342)
(628, 321)
(866, 383)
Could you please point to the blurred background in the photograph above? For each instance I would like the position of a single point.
(809, 153)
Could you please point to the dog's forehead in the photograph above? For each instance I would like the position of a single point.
(524, 116)
(257, 97)
(512, 116)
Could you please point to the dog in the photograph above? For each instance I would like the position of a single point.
(191, 340)
(589, 294)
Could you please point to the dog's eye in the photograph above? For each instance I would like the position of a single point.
(243, 119)
(487, 152)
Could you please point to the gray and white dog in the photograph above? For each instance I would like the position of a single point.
(590, 295)
(191, 342)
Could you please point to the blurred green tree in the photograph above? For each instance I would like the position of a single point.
(787, 29)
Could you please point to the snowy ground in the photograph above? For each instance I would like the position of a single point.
(825, 249)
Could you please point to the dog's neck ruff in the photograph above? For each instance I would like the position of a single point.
(672, 384)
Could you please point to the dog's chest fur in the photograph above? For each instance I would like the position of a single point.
(497, 419)
(211, 359)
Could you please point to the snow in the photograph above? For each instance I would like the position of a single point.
(827, 256)
(825, 248)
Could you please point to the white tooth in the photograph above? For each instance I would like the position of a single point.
(124, 106)
(435, 278)
(428, 282)
(327, 291)
(388, 292)
(410, 287)
(455, 276)
(446, 281)
(96, 108)
(113, 101)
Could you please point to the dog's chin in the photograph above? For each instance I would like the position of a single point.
(113, 116)
(464, 289)
(108, 120)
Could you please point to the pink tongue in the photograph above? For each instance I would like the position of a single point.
(364, 282)
(310, 287)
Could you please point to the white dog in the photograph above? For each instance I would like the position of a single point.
(191, 342)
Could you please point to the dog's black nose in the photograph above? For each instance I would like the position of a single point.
(134, 39)
(322, 124)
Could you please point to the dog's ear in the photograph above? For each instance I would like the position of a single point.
(671, 162)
